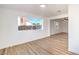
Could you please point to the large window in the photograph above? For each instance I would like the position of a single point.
(30, 23)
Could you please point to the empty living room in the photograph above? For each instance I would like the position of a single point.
(39, 29)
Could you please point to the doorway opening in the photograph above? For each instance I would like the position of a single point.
(59, 26)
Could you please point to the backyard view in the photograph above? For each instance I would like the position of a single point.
(30, 23)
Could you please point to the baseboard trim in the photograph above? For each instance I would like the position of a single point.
(18, 43)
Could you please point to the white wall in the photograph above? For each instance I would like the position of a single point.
(9, 34)
(73, 40)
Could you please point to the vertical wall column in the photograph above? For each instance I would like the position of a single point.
(73, 38)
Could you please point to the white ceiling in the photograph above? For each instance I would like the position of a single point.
(50, 9)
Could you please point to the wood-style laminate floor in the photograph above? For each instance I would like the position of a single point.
(53, 45)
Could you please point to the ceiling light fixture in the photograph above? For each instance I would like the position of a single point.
(42, 6)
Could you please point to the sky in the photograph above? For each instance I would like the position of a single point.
(35, 20)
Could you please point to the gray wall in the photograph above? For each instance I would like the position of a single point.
(62, 27)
